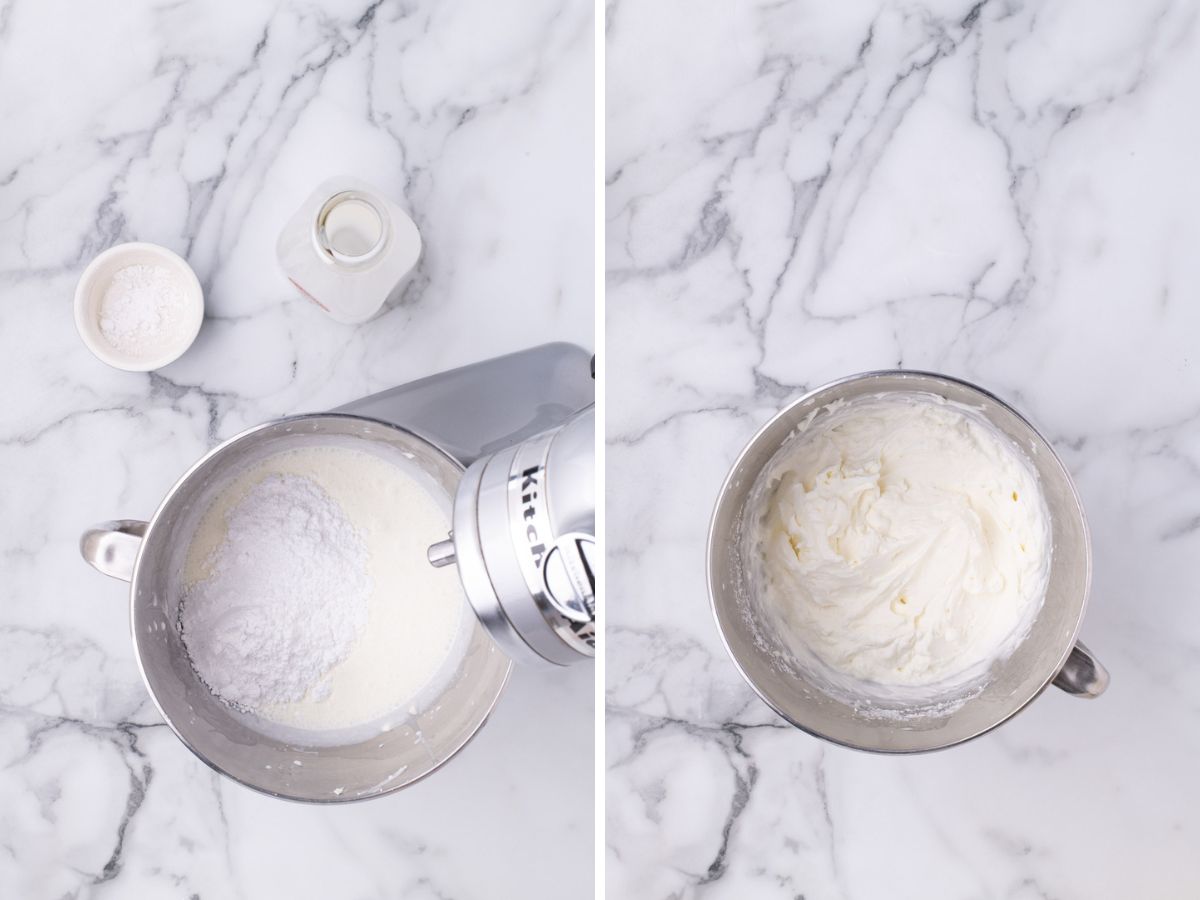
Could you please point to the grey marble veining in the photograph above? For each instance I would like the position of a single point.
(1003, 191)
(201, 127)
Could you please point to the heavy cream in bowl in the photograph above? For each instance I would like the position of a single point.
(308, 605)
(904, 547)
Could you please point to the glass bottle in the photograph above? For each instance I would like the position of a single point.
(349, 249)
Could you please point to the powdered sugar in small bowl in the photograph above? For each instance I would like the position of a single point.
(138, 306)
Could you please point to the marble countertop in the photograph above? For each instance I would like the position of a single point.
(1003, 191)
(202, 129)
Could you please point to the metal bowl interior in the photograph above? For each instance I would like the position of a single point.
(769, 666)
(415, 742)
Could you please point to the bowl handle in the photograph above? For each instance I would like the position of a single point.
(112, 547)
(1082, 675)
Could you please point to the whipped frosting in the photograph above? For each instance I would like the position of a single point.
(906, 541)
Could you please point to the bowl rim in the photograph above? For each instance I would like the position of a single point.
(918, 376)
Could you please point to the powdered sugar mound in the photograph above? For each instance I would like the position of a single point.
(286, 599)
(143, 308)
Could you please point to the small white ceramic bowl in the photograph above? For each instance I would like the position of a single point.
(95, 281)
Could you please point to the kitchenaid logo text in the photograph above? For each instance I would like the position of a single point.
(529, 495)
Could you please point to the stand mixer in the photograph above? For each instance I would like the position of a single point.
(524, 513)
(523, 519)
(524, 540)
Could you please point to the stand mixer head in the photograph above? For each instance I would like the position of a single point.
(524, 538)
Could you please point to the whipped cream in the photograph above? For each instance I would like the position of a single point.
(906, 541)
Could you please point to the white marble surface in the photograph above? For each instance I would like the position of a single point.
(201, 127)
(1004, 191)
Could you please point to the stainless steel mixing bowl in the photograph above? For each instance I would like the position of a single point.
(1049, 653)
(151, 555)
